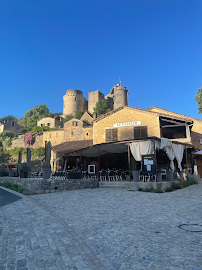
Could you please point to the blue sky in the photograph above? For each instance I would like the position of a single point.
(47, 47)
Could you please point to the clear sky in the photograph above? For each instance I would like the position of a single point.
(49, 46)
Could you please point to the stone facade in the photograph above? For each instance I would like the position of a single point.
(40, 186)
(74, 100)
(74, 130)
(19, 143)
(10, 126)
(49, 122)
(124, 115)
(93, 98)
(86, 118)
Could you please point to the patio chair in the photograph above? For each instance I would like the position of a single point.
(103, 176)
(111, 175)
(119, 175)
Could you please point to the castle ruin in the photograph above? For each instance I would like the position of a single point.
(74, 99)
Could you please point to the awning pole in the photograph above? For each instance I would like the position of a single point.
(98, 159)
(129, 160)
(155, 160)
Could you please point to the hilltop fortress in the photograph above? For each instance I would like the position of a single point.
(74, 99)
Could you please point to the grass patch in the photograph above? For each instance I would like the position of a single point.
(12, 186)
(191, 180)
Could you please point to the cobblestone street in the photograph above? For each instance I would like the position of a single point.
(103, 229)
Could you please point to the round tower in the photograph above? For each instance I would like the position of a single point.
(120, 97)
(73, 101)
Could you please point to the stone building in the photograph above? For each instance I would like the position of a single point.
(50, 122)
(74, 100)
(10, 126)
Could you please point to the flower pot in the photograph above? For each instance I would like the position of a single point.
(135, 176)
(11, 173)
(46, 173)
(159, 177)
(74, 175)
(182, 175)
(169, 175)
(23, 174)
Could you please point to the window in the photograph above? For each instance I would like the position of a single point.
(111, 135)
(87, 134)
(42, 125)
(13, 124)
(74, 123)
(49, 135)
(140, 132)
(72, 133)
(57, 134)
(48, 124)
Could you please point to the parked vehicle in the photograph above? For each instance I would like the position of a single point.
(10, 167)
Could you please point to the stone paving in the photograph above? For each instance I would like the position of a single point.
(103, 229)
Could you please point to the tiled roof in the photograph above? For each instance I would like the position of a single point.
(180, 115)
(71, 146)
(141, 110)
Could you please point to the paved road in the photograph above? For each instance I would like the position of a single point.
(103, 229)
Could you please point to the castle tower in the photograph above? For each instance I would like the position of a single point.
(73, 101)
(93, 98)
(120, 97)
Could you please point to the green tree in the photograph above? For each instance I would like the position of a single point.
(198, 99)
(7, 134)
(8, 118)
(68, 117)
(39, 130)
(79, 114)
(102, 107)
(31, 117)
(56, 115)
(3, 155)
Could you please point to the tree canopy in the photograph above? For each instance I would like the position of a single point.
(7, 134)
(198, 99)
(39, 130)
(79, 114)
(102, 107)
(8, 118)
(31, 117)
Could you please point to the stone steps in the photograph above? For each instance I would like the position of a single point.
(112, 184)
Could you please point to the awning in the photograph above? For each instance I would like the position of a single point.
(198, 153)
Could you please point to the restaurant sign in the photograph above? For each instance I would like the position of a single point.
(127, 124)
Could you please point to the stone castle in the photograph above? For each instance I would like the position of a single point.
(74, 99)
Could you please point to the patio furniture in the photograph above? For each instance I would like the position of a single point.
(118, 175)
(103, 175)
(111, 175)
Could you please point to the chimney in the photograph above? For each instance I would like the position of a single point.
(94, 115)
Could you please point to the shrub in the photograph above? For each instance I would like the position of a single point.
(11, 186)
(28, 139)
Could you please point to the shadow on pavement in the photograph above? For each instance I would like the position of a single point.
(7, 197)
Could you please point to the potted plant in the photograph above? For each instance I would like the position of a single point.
(24, 171)
(183, 174)
(159, 176)
(134, 170)
(169, 174)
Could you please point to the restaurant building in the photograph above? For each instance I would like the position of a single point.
(107, 142)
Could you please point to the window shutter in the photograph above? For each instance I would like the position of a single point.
(136, 132)
(108, 135)
(114, 135)
(144, 133)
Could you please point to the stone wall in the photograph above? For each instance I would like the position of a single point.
(40, 186)
(127, 114)
(19, 143)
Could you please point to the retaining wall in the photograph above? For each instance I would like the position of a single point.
(40, 186)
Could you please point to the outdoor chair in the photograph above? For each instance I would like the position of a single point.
(103, 176)
(119, 175)
(111, 175)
